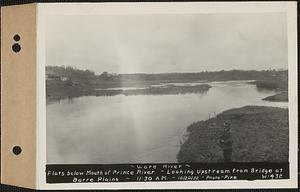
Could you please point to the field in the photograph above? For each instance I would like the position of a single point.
(260, 134)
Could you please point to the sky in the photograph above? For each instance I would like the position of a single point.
(167, 43)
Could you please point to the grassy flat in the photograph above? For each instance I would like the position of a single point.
(260, 134)
(280, 97)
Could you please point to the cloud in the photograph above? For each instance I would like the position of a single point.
(168, 43)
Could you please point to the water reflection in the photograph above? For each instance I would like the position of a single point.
(136, 129)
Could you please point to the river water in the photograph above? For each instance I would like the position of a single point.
(137, 129)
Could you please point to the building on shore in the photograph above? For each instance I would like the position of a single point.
(52, 76)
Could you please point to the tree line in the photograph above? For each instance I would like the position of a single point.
(88, 75)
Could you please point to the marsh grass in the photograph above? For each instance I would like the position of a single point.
(260, 134)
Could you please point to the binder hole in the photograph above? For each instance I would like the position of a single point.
(16, 48)
(17, 37)
(17, 150)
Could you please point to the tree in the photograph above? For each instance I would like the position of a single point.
(104, 76)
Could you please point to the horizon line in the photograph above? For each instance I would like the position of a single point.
(227, 70)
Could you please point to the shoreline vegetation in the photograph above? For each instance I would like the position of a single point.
(67, 82)
(281, 86)
(260, 134)
(65, 91)
(280, 97)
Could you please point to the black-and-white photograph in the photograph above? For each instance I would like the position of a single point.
(167, 88)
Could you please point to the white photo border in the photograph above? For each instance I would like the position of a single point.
(50, 9)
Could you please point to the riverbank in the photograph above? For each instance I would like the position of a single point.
(169, 90)
(280, 97)
(61, 90)
(67, 82)
(260, 134)
(272, 84)
(279, 85)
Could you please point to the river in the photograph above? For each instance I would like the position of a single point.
(137, 129)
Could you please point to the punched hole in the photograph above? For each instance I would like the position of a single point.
(17, 150)
(17, 37)
(16, 48)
